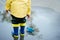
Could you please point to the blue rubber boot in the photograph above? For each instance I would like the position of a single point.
(14, 36)
(15, 33)
(22, 32)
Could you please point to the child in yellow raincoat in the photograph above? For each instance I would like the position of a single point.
(19, 10)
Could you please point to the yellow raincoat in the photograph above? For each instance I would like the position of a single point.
(19, 8)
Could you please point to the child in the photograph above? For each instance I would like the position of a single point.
(19, 10)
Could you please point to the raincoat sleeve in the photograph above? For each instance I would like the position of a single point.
(8, 4)
(29, 7)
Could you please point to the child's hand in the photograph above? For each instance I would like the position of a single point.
(6, 11)
(28, 16)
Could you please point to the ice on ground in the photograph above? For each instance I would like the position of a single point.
(46, 20)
